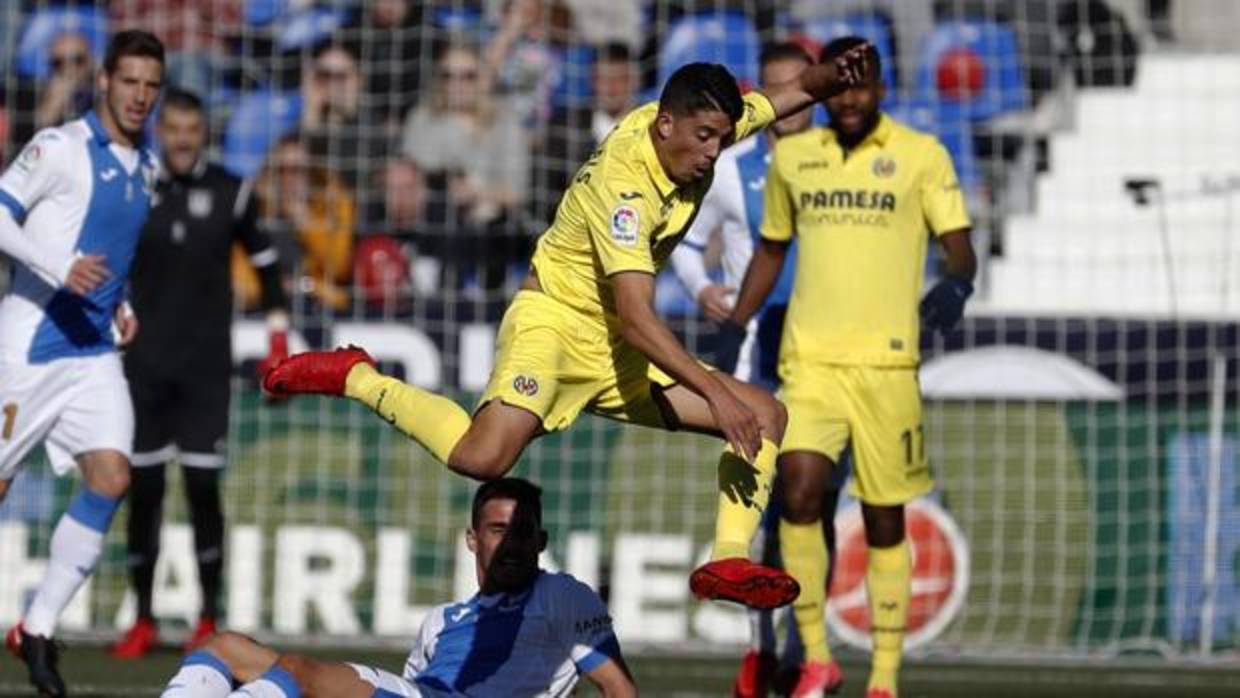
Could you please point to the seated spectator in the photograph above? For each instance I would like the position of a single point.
(332, 122)
(573, 133)
(526, 57)
(474, 140)
(67, 94)
(306, 206)
(404, 198)
(196, 34)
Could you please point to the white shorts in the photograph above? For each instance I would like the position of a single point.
(70, 405)
(389, 683)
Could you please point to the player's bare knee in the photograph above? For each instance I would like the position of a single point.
(772, 418)
(884, 525)
(230, 648)
(802, 504)
(110, 482)
(4, 489)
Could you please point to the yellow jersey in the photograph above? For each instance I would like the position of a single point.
(861, 221)
(623, 213)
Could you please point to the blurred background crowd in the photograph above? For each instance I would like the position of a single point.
(406, 149)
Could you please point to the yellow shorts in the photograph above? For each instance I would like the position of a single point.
(555, 362)
(877, 410)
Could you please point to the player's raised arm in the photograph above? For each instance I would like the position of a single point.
(821, 81)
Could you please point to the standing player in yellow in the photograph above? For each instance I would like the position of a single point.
(582, 333)
(861, 197)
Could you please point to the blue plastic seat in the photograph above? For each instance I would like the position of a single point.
(576, 84)
(458, 19)
(308, 28)
(1003, 85)
(260, 13)
(33, 59)
(872, 27)
(719, 37)
(255, 124)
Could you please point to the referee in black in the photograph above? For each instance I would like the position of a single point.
(179, 367)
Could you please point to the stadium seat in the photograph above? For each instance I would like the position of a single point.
(259, 13)
(457, 19)
(722, 37)
(257, 122)
(575, 86)
(950, 122)
(872, 27)
(32, 59)
(976, 65)
(307, 28)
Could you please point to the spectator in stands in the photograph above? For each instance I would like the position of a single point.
(334, 126)
(67, 93)
(303, 202)
(404, 196)
(526, 56)
(464, 133)
(197, 34)
(392, 43)
(573, 133)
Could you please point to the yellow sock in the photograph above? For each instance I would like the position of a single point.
(887, 579)
(744, 490)
(805, 558)
(432, 420)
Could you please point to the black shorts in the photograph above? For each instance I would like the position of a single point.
(183, 417)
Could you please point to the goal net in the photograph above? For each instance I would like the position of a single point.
(1082, 423)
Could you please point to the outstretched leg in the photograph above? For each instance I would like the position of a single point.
(230, 658)
(483, 447)
(744, 489)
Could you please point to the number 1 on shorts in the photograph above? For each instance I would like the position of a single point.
(10, 418)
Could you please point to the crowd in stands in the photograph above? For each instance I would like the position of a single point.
(451, 127)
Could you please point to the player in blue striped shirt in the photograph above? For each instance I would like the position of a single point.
(527, 633)
(72, 206)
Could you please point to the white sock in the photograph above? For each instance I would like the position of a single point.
(76, 545)
(276, 683)
(202, 675)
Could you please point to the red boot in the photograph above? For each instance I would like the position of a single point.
(204, 630)
(314, 372)
(138, 642)
(737, 579)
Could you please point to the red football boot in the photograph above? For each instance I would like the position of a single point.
(314, 372)
(737, 579)
(755, 676)
(818, 679)
(204, 630)
(138, 642)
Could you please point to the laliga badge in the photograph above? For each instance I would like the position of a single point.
(624, 225)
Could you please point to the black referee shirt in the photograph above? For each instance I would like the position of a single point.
(181, 278)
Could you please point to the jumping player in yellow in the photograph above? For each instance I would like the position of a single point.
(862, 197)
(582, 333)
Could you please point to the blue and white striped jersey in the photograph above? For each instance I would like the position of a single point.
(73, 192)
(536, 643)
